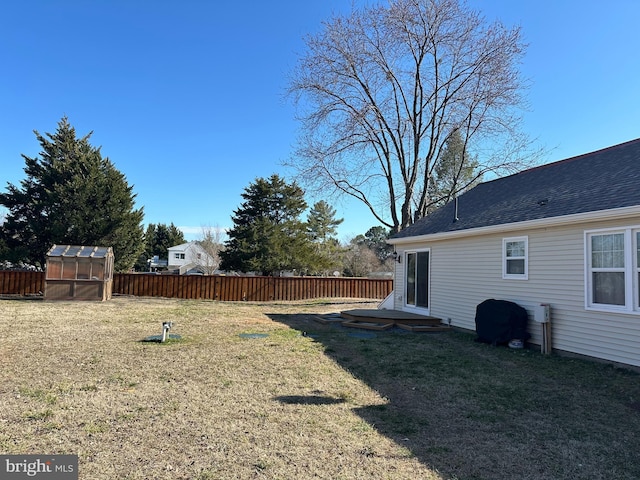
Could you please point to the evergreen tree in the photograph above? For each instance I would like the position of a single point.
(322, 222)
(322, 225)
(4, 250)
(455, 172)
(71, 195)
(158, 238)
(376, 240)
(268, 235)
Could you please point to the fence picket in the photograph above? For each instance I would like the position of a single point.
(217, 287)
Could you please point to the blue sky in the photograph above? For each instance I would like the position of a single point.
(186, 98)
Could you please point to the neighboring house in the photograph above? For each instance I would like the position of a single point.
(156, 262)
(190, 258)
(565, 234)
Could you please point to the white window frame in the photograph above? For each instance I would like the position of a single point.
(631, 270)
(505, 259)
(635, 269)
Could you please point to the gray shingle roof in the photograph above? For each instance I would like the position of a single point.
(601, 180)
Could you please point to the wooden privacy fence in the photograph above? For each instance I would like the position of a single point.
(252, 289)
(21, 283)
(217, 287)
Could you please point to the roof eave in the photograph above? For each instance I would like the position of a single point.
(612, 214)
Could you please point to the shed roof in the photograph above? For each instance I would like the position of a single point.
(79, 251)
(601, 180)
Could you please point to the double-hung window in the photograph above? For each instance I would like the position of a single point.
(612, 272)
(515, 258)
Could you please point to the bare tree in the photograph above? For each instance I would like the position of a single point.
(210, 243)
(381, 91)
(359, 261)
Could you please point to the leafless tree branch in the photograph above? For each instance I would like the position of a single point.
(380, 92)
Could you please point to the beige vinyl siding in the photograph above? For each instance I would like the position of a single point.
(399, 279)
(467, 271)
(398, 283)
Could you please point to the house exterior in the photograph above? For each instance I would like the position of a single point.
(566, 234)
(190, 258)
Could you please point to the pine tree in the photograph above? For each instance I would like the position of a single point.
(158, 238)
(322, 225)
(71, 195)
(322, 222)
(4, 250)
(376, 240)
(456, 171)
(268, 235)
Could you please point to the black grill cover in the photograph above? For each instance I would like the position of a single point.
(499, 321)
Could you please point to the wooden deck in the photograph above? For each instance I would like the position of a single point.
(379, 319)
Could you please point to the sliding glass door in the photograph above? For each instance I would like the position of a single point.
(417, 275)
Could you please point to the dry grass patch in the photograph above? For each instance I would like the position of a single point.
(77, 379)
(305, 401)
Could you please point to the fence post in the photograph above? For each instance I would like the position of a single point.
(216, 287)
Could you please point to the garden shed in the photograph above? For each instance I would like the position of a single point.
(79, 273)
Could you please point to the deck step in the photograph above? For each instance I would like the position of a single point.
(366, 318)
(368, 325)
(384, 320)
(423, 328)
